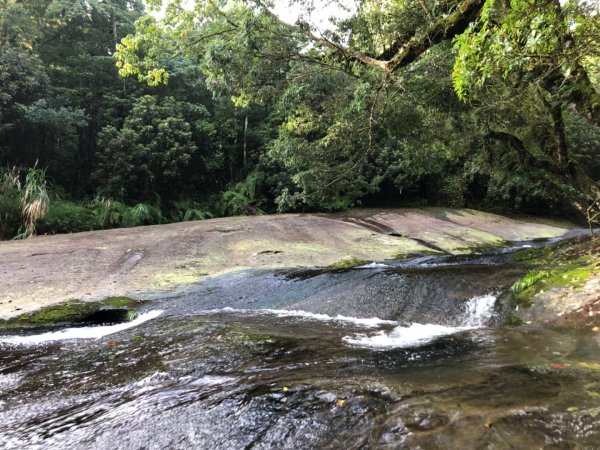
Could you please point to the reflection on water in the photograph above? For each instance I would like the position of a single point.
(230, 381)
(244, 377)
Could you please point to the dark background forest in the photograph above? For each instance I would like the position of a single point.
(251, 121)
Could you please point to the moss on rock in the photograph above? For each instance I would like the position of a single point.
(348, 262)
(121, 302)
(513, 321)
(564, 265)
(76, 311)
(556, 282)
(63, 313)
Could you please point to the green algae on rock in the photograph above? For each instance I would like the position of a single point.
(109, 310)
(121, 302)
(62, 313)
(348, 262)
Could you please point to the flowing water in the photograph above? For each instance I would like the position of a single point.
(402, 356)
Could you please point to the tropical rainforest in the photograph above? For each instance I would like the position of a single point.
(121, 112)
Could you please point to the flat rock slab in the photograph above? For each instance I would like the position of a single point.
(164, 260)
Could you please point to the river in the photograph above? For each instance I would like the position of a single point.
(400, 355)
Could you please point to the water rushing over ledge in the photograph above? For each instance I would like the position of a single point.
(85, 332)
(478, 312)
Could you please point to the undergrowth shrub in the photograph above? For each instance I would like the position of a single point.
(10, 209)
(66, 216)
(240, 198)
(114, 214)
(184, 210)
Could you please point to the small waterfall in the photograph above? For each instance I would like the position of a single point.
(94, 332)
(478, 312)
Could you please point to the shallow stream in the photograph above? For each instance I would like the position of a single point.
(408, 355)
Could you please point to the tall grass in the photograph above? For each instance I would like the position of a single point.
(9, 180)
(35, 200)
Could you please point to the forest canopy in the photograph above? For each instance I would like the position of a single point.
(190, 110)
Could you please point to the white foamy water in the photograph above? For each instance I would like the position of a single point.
(373, 265)
(212, 380)
(79, 333)
(477, 312)
(9, 381)
(372, 322)
(411, 336)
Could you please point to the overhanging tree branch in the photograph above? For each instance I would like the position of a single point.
(456, 16)
(455, 22)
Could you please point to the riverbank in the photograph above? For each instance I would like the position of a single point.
(562, 286)
(166, 260)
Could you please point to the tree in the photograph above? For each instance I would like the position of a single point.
(23, 81)
(549, 45)
(150, 154)
(67, 45)
(511, 43)
(323, 138)
(476, 102)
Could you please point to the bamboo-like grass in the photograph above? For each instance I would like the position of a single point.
(35, 200)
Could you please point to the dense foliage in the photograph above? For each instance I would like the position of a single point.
(491, 104)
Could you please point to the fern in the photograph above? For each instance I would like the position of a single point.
(184, 210)
(240, 198)
(529, 280)
(111, 213)
(196, 214)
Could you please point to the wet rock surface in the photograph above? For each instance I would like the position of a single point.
(168, 260)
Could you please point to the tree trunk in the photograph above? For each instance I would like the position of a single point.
(245, 140)
(562, 149)
(554, 108)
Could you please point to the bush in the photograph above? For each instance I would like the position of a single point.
(113, 214)
(65, 216)
(184, 210)
(240, 198)
(10, 207)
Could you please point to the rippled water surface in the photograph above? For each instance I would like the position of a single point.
(373, 358)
